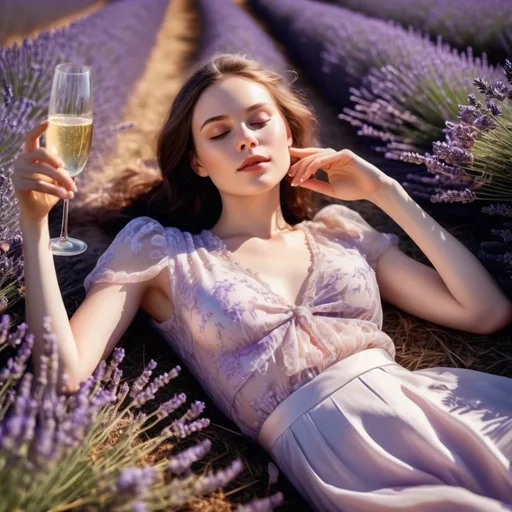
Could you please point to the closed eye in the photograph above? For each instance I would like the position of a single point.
(222, 135)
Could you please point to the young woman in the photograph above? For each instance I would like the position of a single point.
(278, 314)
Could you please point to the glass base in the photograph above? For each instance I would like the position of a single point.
(69, 247)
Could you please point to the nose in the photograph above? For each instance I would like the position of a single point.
(246, 139)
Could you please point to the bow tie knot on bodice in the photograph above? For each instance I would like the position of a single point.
(302, 313)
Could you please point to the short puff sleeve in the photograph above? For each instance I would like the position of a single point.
(138, 253)
(343, 222)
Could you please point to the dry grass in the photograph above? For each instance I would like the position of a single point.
(419, 344)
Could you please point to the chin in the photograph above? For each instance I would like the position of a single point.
(258, 185)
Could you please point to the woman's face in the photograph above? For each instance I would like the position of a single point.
(233, 119)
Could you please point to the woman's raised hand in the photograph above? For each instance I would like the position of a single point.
(350, 177)
(39, 178)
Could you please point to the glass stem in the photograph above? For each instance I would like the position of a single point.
(64, 228)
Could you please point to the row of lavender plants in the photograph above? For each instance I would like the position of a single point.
(20, 17)
(341, 48)
(86, 450)
(115, 42)
(403, 88)
(227, 28)
(485, 26)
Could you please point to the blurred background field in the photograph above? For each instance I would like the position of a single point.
(381, 82)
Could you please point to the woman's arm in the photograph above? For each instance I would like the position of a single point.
(96, 326)
(461, 294)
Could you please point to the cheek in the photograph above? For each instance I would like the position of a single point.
(278, 132)
(279, 144)
(212, 155)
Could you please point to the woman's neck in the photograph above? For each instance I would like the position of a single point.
(251, 217)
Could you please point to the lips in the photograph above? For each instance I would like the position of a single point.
(253, 159)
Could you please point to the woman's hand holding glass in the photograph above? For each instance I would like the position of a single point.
(39, 178)
(350, 177)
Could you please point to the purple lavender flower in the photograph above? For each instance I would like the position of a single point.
(498, 209)
(494, 109)
(213, 481)
(157, 383)
(262, 504)
(179, 428)
(112, 369)
(135, 482)
(453, 154)
(180, 464)
(141, 381)
(171, 405)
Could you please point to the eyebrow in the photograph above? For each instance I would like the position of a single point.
(247, 110)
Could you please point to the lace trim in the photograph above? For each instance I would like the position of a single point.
(120, 276)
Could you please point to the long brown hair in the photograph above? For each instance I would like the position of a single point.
(180, 197)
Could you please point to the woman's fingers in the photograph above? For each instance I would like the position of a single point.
(300, 155)
(308, 157)
(304, 169)
(39, 185)
(319, 186)
(32, 136)
(28, 170)
(42, 155)
(302, 152)
(296, 168)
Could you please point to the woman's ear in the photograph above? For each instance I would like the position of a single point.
(196, 165)
(289, 137)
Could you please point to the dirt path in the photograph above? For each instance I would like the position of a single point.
(150, 103)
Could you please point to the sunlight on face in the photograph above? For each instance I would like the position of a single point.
(222, 144)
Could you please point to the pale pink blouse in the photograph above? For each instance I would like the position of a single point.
(248, 346)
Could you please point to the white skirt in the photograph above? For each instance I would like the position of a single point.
(367, 435)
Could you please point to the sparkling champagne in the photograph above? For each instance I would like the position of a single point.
(70, 138)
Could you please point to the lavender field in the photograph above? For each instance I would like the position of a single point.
(425, 95)
(483, 26)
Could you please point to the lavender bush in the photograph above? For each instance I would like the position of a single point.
(227, 28)
(115, 43)
(486, 26)
(406, 104)
(20, 17)
(11, 263)
(476, 156)
(85, 450)
(478, 148)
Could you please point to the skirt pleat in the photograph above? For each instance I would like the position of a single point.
(391, 439)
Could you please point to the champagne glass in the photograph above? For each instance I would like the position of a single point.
(69, 136)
